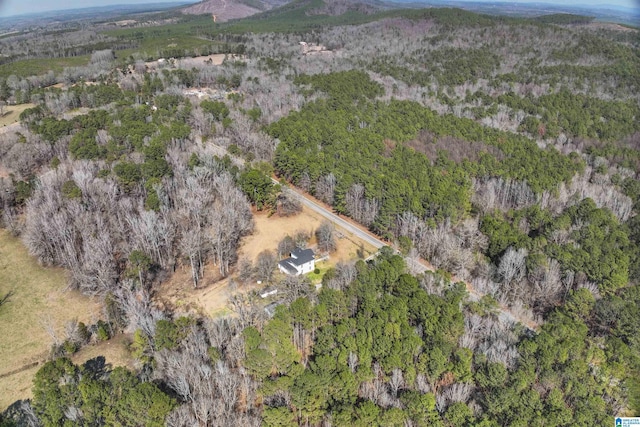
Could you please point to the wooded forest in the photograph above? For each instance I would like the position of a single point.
(504, 152)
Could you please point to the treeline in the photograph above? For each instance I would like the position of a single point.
(126, 193)
(447, 66)
(95, 394)
(331, 146)
(564, 19)
(382, 351)
(573, 114)
(375, 346)
(583, 239)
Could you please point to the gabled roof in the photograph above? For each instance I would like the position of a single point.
(301, 256)
(288, 265)
(298, 258)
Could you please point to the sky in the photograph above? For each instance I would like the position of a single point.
(17, 7)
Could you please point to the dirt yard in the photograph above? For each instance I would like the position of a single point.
(115, 351)
(212, 297)
(11, 114)
(38, 301)
(214, 59)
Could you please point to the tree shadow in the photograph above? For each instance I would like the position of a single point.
(5, 298)
(96, 367)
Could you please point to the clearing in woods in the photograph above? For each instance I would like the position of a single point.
(11, 113)
(38, 299)
(211, 298)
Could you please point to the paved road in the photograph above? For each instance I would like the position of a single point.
(318, 208)
(416, 265)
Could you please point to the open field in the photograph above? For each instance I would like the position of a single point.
(175, 40)
(190, 62)
(12, 114)
(38, 299)
(115, 352)
(178, 46)
(39, 66)
(270, 230)
(211, 298)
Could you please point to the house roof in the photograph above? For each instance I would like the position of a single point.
(288, 265)
(271, 308)
(301, 256)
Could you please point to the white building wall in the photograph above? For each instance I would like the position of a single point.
(307, 267)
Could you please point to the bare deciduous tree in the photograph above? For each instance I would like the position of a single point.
(325, 236)
(396, 381)
(245, 269)
(512, 265)
(301, 238)
(344, 274)
(285, 246)
(265, 265)
(361, 209)
(325, 188)
(288, 205)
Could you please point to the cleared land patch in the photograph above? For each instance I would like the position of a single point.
(115, 351)
(212, 297)
(12, 114)
(39, 66)
(38, 300)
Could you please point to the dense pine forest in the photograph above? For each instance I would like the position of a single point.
(504, 153)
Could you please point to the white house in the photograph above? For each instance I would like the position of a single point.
(302, 261)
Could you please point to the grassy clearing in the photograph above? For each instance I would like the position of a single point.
(12, 114)
(39, 66)
(322, 266)
(115, 351)
(176, 40)
(38, 298)
(178, 47)
(269, 230)
(212, 296)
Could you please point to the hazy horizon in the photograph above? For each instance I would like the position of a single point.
(20, 7)
(17, 7)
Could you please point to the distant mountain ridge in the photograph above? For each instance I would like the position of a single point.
(603, 12)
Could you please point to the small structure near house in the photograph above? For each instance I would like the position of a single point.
(302, 261)
(311, 48)
(268, 292)
(271, 308)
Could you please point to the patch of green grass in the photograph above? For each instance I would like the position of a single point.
(186, 38)
(38, 299)
(170, 47)
(39, 66)
(221, 312)
(317, 277)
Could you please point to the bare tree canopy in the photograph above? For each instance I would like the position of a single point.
(325, 236)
